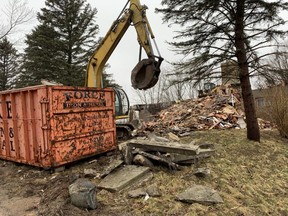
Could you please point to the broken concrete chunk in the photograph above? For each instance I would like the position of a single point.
(153, 191)
(128, 155)
(152, 136)
(142, 161)
(186, 159)
(206, 146)
(59, 169)
(173, 137)
(124, 177)
(171, 147)
(140, 192)
(206, 151)
(178, 158)
(112, 166)
(83, 194)
(73, 177)
(92, 161)
(241, 122)
(192, 152)
(164, 160)
(122, 146)
(202, 172)
(200, 194)
(90, 172)
(184, 134)
(168, 153)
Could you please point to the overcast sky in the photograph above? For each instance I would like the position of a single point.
(125, 56)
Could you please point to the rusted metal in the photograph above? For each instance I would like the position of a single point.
(49, 126)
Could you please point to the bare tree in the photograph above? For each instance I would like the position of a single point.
(275, 68)
(169, 88)
(15, 13)
(175, 86)
(153, 95)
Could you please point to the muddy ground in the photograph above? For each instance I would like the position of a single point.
(252, 179)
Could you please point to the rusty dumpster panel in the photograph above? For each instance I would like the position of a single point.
(49, 126)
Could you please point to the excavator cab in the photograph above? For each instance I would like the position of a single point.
(207, 89)
(121, 103)
(122, 107)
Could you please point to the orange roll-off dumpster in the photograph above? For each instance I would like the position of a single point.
(50, 126)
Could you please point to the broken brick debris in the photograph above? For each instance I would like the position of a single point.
(211, 112)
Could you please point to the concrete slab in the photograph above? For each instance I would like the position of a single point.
(172, 147)
(112, 166)
(200, 194)
(124, 177)
(241, 122)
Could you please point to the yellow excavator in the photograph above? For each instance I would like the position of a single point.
(146, 72)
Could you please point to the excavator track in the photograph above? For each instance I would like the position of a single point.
(124, 131)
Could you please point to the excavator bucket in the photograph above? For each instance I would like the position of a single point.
(146, 74)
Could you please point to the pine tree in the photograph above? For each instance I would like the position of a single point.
(59, 47)
(9, 64)
(42, 59)
(216, 31)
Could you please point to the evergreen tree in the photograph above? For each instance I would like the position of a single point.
(58, 48)
(9, 64)
(43, 59)
(108, 80)
(217, 31)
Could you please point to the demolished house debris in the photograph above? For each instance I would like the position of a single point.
(211, 112)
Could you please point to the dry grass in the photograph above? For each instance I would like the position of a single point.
(252, 178)
(277, 108)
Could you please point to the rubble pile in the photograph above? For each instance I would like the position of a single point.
(147, 152)
(211, 112)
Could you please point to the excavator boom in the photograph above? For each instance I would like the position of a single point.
(145, 74)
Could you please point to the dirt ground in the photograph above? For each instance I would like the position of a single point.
(252, 179)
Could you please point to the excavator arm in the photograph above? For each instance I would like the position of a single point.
(145, 74)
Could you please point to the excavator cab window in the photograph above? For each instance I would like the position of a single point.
(121, 102)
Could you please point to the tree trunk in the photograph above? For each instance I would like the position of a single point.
(253, 132)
